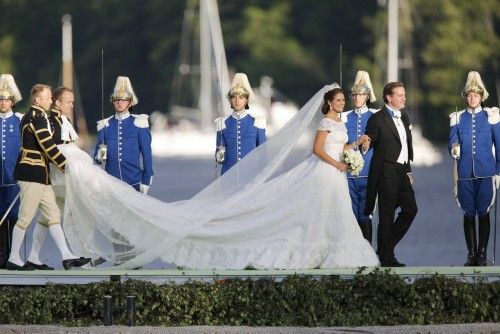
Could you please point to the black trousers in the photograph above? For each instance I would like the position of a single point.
(394, 190)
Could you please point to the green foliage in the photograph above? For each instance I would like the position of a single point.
(294, 42)
(377, 298)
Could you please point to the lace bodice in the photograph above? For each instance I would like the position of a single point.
(337, 136)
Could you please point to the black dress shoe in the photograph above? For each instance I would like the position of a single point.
(33, 266)
(75, 263)
(396, 263)
(13, 266)
(391, 263)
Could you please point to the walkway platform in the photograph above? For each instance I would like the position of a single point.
(83, 276)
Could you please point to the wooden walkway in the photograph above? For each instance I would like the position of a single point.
(83, 276)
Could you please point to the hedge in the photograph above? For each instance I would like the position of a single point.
(377, 298)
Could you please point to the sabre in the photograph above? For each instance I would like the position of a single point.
(10, 208)
(455, 167)
(221, 150)
(495, 227)
(103, 148)
(340, 64)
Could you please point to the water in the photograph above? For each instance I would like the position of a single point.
(435, 238)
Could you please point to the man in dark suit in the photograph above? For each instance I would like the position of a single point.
(388, 133)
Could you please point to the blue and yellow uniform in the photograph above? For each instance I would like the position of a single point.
(477, 132)
(355, 122)
(239, 133)
(128, 141)
(11, 143)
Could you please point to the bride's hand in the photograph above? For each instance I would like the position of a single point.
(340, 166)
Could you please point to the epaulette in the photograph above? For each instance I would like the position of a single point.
(455, 117)
(259, 122)
(19, 115)
(220, 123)
(493, 115)
(141, 120)
(373, 110)
(103, 123)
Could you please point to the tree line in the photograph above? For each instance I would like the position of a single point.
(295, 42)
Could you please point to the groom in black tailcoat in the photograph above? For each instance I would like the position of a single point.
(388, 133)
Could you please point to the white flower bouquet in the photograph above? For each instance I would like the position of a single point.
(354, 161)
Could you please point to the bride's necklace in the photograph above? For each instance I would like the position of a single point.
(336, 118)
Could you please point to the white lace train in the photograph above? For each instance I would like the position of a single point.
(302, 219)
(279, 207)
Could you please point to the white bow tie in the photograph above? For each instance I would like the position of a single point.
(397, 114)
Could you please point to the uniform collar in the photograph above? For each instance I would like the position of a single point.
(34, 106)
(475, 110)
(56, 111)
(5, 115)
(123, 115)
(393, 113)
(239, 115)
(361, 110)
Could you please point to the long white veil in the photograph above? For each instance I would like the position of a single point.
(102, 211)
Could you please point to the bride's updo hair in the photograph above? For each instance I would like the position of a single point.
(328, 97)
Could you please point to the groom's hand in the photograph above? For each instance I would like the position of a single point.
(366, 143)
(411, 179)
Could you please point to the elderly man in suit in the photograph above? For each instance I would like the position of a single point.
(388, 133)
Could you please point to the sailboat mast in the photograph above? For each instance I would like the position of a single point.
(392, 41)
(67, 54)
(67, 74)
(205, 103)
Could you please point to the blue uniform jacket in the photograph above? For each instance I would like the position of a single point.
(127, 140)
(355, 122)
(477, 134)
(11, 144)
(239, 135)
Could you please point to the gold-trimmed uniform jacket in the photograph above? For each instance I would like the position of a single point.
(37, 149)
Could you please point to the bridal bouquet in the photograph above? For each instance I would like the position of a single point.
(354, 161)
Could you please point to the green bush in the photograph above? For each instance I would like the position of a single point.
(377, 298)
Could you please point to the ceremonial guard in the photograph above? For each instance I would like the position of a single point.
(62, 133)
(355, 120)
(11, 142)
(32, 174)
(123, 139)
(474, 143)
(240, 132)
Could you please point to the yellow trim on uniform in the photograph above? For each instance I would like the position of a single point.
(44, 223)
(32, 161)
(44, 140)
(53, 223)
(55, 156)
(49, 148)
(42, 130)
(21, 225)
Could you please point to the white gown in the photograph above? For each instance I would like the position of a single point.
(300, 219)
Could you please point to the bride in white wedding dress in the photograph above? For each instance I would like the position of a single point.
(279, 207)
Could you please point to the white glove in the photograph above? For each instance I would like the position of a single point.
(144, 189)
(102, 154)
(220, 155)
(455, 151)
(496, 181)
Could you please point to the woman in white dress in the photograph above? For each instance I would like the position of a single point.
(269, 211)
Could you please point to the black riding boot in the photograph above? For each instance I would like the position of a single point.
(484, 235)
(366, 229)
(470, 240)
